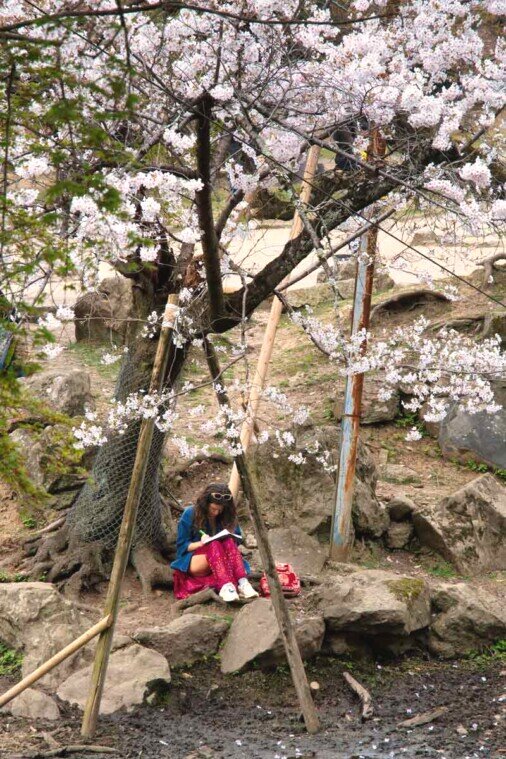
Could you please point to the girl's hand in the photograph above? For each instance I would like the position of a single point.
(194, 546)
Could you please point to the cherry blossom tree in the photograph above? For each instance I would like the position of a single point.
(124, 123)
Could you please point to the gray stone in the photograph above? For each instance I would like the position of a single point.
(105, 315)
(374, 602)
(302, 551)
(303, 495)
(38, 621)
(33, 704)
(254, 636)
(465, 619)
(39, 448)
(186, 639)
(309, 296)
(346, 288)
(479, 437)
(370, 518)
(32, 451)
(399, 473)
(399, 534)
(425, 236)
(132, 675)
(66, 391)
(374, 409)
(400, 507)
(468, 527)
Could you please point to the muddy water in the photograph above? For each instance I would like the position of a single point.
(255, 716)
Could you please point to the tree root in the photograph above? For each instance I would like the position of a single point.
(489, 264)
(72, 566)
(152, 568)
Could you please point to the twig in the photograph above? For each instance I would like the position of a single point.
(422, 719)
(75, 749)
(363, 694)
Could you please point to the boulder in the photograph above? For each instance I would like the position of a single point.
(66, 391)
(468, 527)
(302, 551)
(186, 639)
(133, 674)
(346, 286)
(42, 454)
(374, 409)
(479, 437)
(304, 495)
(464, 619)
(374, 602)
(38, 621)
(254, 636)
(105, 315)
(309, 296)
(370, 518)
(33, 704)
(399, 474)
(400, 507)
(31, 449)
(399, 534)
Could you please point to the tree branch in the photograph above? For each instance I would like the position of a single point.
(210, 244)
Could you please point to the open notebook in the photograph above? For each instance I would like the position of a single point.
(220, 535)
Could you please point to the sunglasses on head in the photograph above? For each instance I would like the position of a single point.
(217, 497)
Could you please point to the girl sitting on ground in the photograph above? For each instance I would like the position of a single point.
(217, 564)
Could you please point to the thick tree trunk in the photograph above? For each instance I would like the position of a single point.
(80, 554)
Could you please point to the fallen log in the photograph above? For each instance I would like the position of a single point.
(75, 749)
(201, 597)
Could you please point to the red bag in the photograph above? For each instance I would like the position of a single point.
(290, 582)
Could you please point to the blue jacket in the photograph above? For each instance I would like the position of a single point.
(187, 533)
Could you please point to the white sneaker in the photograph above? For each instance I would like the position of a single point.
(229, 593)
(246, 590)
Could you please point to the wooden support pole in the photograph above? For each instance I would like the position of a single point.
(286, 628)
(53, 662)
(127, 527)
(272, 325)
(340, 543)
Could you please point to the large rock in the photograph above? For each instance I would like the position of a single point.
(374, 602)
(302, 551)
(42, 449)
(399, 534)
(36, 620)
(374, 408)
(186, 639)
(31, 450)
(400, 508)
(468, 527)
(309, 296)
(66, 391)
(105, 315)
(370, 518)
(133, 674)
(304, 495)
(464, 619)
(33, 704)
(479, 437)
(254, 636)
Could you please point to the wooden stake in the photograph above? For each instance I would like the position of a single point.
(272, 325)
(51, 663)
(286, 629)
(127, 527)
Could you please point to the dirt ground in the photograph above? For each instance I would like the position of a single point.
(207, 715)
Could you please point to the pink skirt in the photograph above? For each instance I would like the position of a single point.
(186, 585)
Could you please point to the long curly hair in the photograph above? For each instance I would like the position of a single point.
(228, 516)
